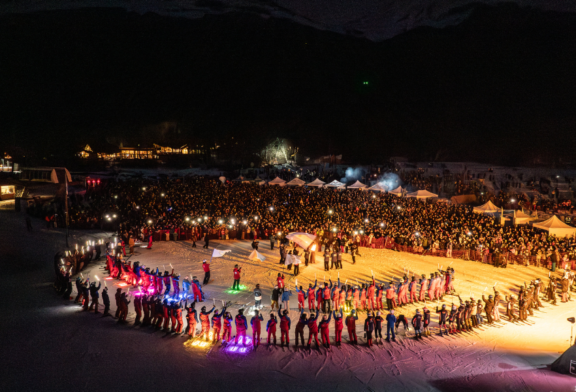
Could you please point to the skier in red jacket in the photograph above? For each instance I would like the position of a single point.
(280, 280)
(301, 297)
(285, 324)
(311, 303)
(227, 331)
(338, 326)
(313, 329)
(271, 328)
(256, 328)
(206, 268)
(351, 326)
(217, 323)
(205, 320)
(237, 272)
(325, 330)
(241, 326)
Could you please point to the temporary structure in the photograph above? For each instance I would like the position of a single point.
(555, 227)
(241, 179)
(277, 181)
(377, 188)
(256, 256)
(317, 183)
(357, 185)
(421, 194)
(486, 208)
(303, 240)
(397, 192)
(521, 218)
(259, 181)
(296, 182)
(336, 184)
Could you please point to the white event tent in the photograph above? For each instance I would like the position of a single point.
(488, 207)
(277, 181)
(317, 183)
(296, 182)
(336, 184)
(357, 185)
(421, 194)
(555, 227)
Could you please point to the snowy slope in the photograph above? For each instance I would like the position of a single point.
(373, 19)
(68, 348)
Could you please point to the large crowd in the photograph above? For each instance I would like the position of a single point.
(207, 208)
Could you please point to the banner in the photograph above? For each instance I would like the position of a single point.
(219, 253)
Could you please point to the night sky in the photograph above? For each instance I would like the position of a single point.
(498, 87)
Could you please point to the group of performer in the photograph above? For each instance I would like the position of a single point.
(160, 301)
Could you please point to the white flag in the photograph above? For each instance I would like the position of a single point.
(288, 260)
(219, 253)
(256, 256)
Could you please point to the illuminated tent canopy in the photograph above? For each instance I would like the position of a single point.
(555, 227)
(317, 183)
(296, 182)
(486, 208)
(421, 194)
(397, 192)
(277, 181)
(521, 218)
(377, 188)
(336, 184)
(259, 181)
(241, 179)
(357, 185)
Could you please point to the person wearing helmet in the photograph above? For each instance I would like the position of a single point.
(257, 296)
(313, 329)
(217, 324)
(363, 297)
(423, 287)
(286, 294)
(255, 323)
(452, 318)
(237, 272)
(197, 290)
(177, 312)
(311, 290)
(95, 296)
(301, 297)
(192, 318)
(285, 325)
(206, 268)
(496, 311)
(106, 302)
(338, 326)
(241, 326)
(205, 320)
(443, 314)
(325, 330)
(390, 325)
(271, 327)
(426, 321)
(356, 297)
(417, 324)
(378, 319)
(302, 321)
(510, 303)
(167, 281)
(176, 284)
(186, 286)
(351, 327)
(479, 308)
(227, 330)
(412, 290)
(369, 328)
(489, 308)
(390, 296)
